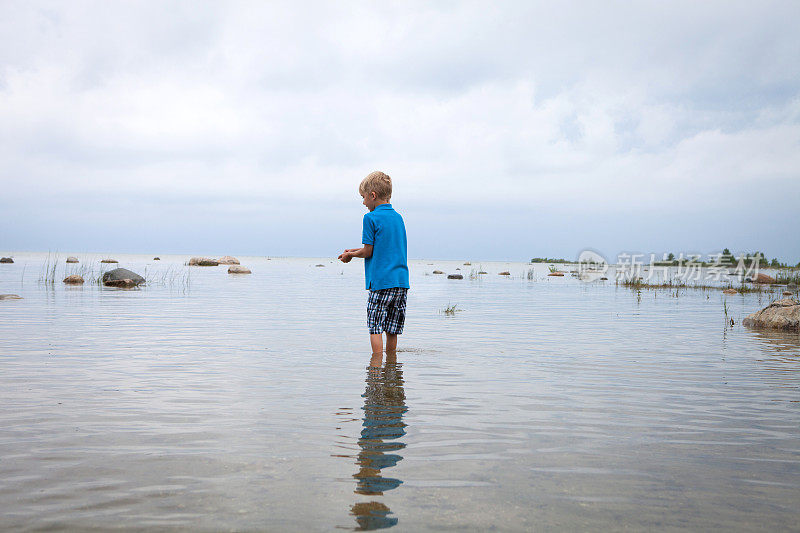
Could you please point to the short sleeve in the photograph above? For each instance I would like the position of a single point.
(368, 232)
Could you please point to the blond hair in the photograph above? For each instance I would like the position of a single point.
(376, 182)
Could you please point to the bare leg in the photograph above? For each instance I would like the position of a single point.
(376, 340)
(391, 342)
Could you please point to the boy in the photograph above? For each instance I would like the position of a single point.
(385, 264)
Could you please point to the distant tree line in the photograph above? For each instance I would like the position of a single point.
(549, 260)
(727, 258)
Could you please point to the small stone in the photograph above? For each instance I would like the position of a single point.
(109, 261)
(560, 274)
(438, 272)
(10, 297)
(320, 265)
(504, 273)
(74, 279)
(156, 259)
(203, 262)
(455, 276)
(787, 293)
(481, 272)
(6, 260)
(604, 278)
(730, 291)
(228, 260)
(467, 263)
(71, 259)
(236, 269)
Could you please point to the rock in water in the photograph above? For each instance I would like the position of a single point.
(556, 274)
(236, 269)
(109, 261)
(72, 259)
(156, 259)
(122, 277)
(782, 314)
(438, 272)
(73, 279)
(763, 278)
(504, 273)
(10, 297)
(455, 276)
(6, 260)
(729, 291)
(787, 293)
(203, 262)
(228, 260)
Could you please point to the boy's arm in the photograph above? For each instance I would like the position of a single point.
(364, 253)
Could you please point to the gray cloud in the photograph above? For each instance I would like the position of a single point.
(571, 111)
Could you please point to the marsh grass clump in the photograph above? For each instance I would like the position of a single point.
(637, 283)
(171, 277)
(552, 269)
(451, 310)
(785, 277)
(48, 273)
(531, 274)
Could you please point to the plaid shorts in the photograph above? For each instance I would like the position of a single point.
(386, 310)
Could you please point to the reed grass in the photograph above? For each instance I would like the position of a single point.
(451, 310)
(784, 277)
(638, 283)
(48, 273)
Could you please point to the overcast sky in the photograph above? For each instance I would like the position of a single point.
(510, 129)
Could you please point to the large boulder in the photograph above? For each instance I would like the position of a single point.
(122, 277)
(74, 279)
(236, 269)
(203, 262)
(71, 259)
(6, 260)
(10, 297)
(228, 260)
(782, 314)
(762, 278)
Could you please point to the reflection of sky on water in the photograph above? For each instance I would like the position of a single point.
(547, 403)
(384, 406)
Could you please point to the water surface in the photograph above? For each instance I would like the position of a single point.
(245, 403)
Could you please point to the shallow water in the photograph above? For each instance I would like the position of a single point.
(245, 403)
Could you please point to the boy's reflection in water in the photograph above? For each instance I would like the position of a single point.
(384, 406)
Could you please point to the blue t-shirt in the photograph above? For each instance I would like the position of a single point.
(388, 266)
